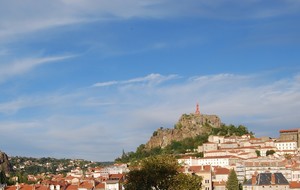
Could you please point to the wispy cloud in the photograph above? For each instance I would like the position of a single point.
(18, 17)
(150, 79)
(19, 67)
(102, 119)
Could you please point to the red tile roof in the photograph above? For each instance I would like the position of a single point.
(100, 185)
(294, 184)
(10, 187)
(221, 171)
(288, 131)
(41, 187)
(86, 185)
(26, 187)
(116, 176)
(72, 187)
(197, 169)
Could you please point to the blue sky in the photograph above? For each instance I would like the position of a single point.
(87, 79)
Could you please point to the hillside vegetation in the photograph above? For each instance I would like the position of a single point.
(187, 145)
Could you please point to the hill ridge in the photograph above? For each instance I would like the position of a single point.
(188, 126)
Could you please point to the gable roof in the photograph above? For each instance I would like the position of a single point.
(265, 179)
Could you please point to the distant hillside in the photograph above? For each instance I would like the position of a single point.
(188, 126)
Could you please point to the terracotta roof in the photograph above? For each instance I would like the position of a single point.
(26, 187)
(12, 187)
(86, 185)
(116, 176)
(69, 177)
(100, 185)
(41, 187)
(288, 131)
(294, 184)
(72, 187)
(197, 169)
(219, 183)
(221, 171)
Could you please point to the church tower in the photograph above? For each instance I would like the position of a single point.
(197, 112)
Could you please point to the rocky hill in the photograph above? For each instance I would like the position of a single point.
(188, 126)
(4, 163)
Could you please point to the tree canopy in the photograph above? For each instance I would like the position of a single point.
(270, 152)
(160, 173)
(232, 182)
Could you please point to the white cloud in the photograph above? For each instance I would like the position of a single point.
(110, 120)
(150, 79)
(19, 17)
(25, 65)
(101, 84)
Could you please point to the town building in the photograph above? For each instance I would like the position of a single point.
(290, 135)
(263, 181)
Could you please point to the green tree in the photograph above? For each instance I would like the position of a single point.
(270, 152)
(186, 182)
(3, 178)
(232, 182)
(257, 153)
(160, 173)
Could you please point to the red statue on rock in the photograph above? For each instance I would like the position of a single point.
(197, 112)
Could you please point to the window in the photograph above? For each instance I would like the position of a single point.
(207, 181)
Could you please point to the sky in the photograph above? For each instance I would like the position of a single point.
(89, 79)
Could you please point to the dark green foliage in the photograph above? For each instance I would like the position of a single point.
(270, 152)
(176, 147)
(229, 130)
(3, 178)
(22, 177)
(232, 182)
(160, 172)
(181, 147)
(186, 182)
(257, 153)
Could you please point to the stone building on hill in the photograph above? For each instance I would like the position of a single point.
(290, 135)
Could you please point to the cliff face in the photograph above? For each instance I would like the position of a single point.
(187, 126)
(4, 163)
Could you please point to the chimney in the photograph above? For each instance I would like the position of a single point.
(253, 180)
(273, 178)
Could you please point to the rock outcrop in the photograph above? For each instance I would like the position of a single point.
(4, 163)
(188, 126)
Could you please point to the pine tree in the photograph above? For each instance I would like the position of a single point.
(232, 182)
